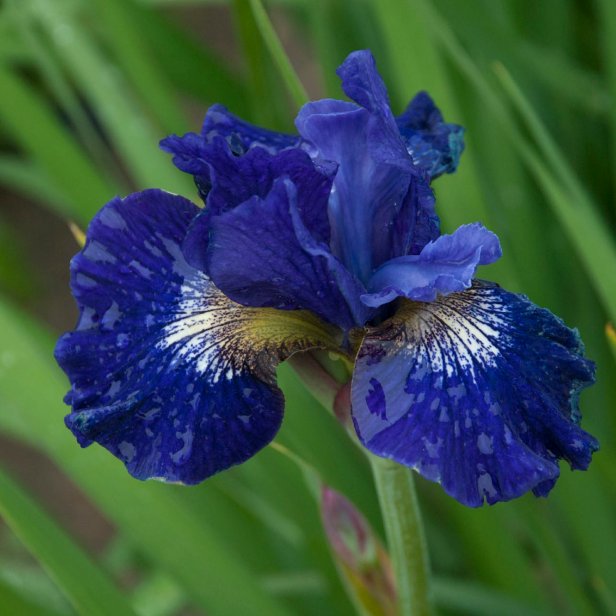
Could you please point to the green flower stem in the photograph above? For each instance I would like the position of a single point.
(405, 536)
(396, 492)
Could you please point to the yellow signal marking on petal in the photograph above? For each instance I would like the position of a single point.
(214, 331)
(270, 327)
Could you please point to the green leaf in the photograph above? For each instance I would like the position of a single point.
(279, 56)
(190, 66)
(464, 597)
(135, 55)
(33, 583)
(35, 129)
(112, 98)
(575, 212)
(30, 180)
(55, 79)
(14, 603)
(588, 233)
(85, 585)
(607, 35)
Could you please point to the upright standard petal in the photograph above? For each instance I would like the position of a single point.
(375, 177)
(166, 372)
(478, 391)
(433, 144)
(262, 254)
(445, 265)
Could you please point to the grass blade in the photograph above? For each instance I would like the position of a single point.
(133, 53)
(607, 13)
(581, 222)
(27, 179)
(13, 603)
(35, 129)
(574, 208)
(85, 585)
(466, 598)
(460, 198)
(281, 60)
(191, 68)
(112, 99)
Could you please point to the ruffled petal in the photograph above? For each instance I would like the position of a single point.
(375, 172)
(235, 179)
(445, 265)
(477, 391)
(224, 136)
(433, 144)
(262, 254)
(167, 373)
(242, 135)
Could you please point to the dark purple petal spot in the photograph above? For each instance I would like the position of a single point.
(375, 399)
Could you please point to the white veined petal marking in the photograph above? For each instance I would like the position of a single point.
(221, 338)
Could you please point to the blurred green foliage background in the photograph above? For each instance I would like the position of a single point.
(88, 87)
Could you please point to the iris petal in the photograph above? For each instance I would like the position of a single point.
(222, 133)
(261, 254)
(374, 169)
(243, 135)
(433, 144)
(445, 265)
(167, 373)
(478, 391)
(235, 179)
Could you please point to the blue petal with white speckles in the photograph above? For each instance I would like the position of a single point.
(167, 373)
(477, 391)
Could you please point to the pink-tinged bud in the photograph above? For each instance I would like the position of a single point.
(359, 555)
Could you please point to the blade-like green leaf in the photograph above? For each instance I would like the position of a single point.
(607, 12)
(34, 128)
(28, 179)
(14, 603)
(85, 585)
(279, 56)
(190, 66)
(136, 57)
(463, 597)
(586, 230)
(55, 79)
(112, 98)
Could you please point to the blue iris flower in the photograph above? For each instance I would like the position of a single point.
(325, 239)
